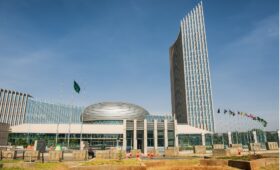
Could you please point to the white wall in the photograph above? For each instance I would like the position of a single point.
(64, 128)
(187, 129)
(90, 128)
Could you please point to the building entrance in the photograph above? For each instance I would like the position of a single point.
(139, 144)
(140, 140)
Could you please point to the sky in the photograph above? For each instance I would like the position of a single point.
(119, 51)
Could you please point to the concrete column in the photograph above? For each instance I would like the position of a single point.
(56, 135)
(278, 135)
(176, 142)
(155, 135)
(264, 136)
(23, 109)
(229, 138)
(135, 134)
(35, 145)
(5, 104)
(165, 134)
(255, 137)
(124, 135)
(69, 131)
(145, 137)
(7, 112)
(2, 97)
(203, 138)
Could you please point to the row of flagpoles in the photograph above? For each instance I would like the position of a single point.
(244, 114)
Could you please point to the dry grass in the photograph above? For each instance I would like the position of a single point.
(179, 164)
(184, 164)
(191, 168)
(270, 167)
(36, 166)
(50, 165)
(124, 162)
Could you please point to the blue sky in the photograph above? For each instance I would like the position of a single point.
(118, 51)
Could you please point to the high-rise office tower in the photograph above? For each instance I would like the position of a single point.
(190, 74)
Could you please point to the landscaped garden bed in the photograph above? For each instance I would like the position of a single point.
(248, 162)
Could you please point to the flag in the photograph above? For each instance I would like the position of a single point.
(225, 111)
(76, 87)
(218, 111)
(252, 116)
(264, 123)
(231, 112)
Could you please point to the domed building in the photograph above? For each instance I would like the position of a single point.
(102, 125)
(109, 111)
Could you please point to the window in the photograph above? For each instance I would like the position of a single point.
(160, 138)
(170, 138)
(129, 138)
(150, 135)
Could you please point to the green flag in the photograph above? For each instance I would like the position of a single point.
(76, 87)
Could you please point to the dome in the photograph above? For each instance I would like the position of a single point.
(113, 111)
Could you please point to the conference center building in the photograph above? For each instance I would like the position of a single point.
(103, 125)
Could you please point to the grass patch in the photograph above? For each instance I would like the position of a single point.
(124, 162)
(11, 161)
(15, 168)
(49, 165)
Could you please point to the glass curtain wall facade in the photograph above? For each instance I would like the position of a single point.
(38, 112)
(97, 141)
(187, 141)
(190, 73)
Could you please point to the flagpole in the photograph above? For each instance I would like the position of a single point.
(82, 119)
(60, 112)
(70, 119)
(81, 129)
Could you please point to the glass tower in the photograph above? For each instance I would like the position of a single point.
(190, 74)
